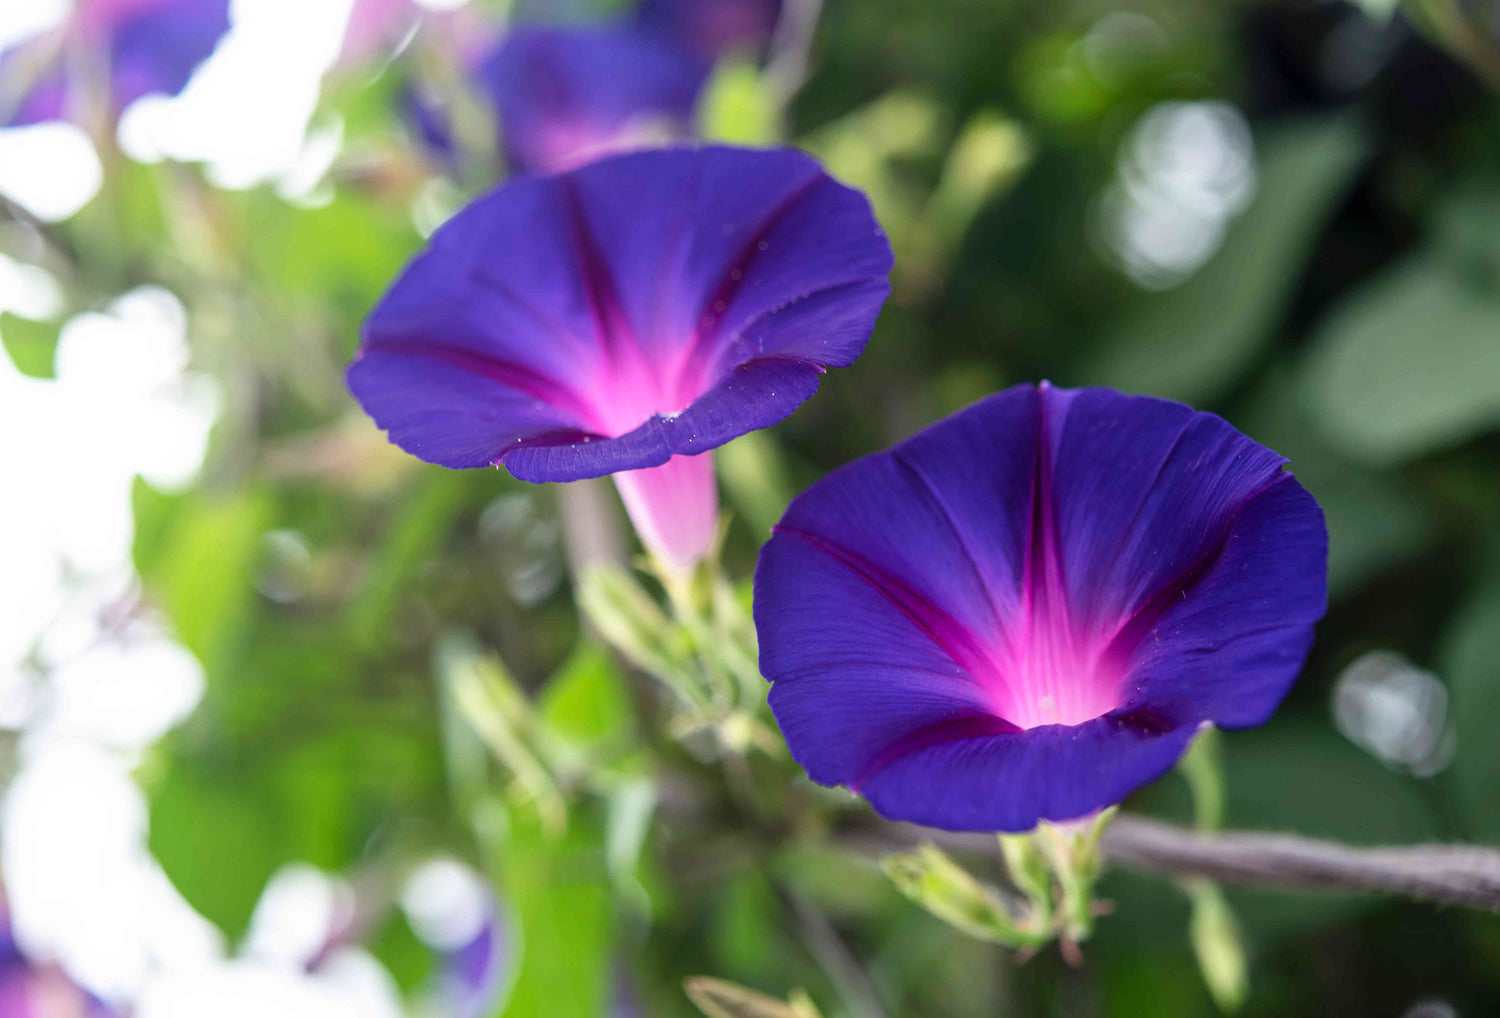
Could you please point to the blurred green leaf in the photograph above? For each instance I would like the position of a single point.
(348, 251)
(1203, 769)
(1467, 659)
(198, 562)
(587, 701)
(1381, 11)
(421, 526)
(557, 888)
(31, 345)
(1375, 520)
(1218, 945)
(1410, 363)
(1354, 799)
(746, 927)
(753, 469)
(863, 148)
(990, 151)
(406, 958)
(737, 108)
(1192, 342)
(217, 842)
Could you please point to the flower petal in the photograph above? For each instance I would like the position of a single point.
(607, 340)
(1009, 782)
(1119, 563)
(1143, 489)
(853, 672)
(713, 26)
(158, 48)
(565, 95)
(153, 46)
(446, 413)
(674, 507)
(755, 395)
(1249, 616)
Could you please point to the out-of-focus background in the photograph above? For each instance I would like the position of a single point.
(237, 778)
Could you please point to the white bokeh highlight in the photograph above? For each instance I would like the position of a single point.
(1185, 172)
(1395, 711)
(245, 114)
(447, 904)
(50, 169)
(89, 681)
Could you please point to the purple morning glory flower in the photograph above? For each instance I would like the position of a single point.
(565, 95)
(712, 27)
(28, 990)
(150, 45)
(631, 314)
(472, 974)
(1027, 610)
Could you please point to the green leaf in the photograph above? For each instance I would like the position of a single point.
(1202, 767)
(1354, 799)
(990, 152)
(1192, 342)
(1218, 945)
(1410, 363)
(632, 805)
(216, 841)
(1375, 520)
(1467, 660)
(737, 107)
(200, 568)
(31, 345)
(753, 469)
(746, 931)
(557, 888)
(587, 701)
(409, 961)
(421, 526)
(1379, 11)
(346, 252)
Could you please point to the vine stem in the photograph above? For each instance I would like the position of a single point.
(1465, 875)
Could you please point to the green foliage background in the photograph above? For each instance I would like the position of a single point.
(1350, 319)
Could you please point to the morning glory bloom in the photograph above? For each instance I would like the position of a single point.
(29, 990)
(452, 910)
(713, 27)
(149, 46)
(625, 318)
(565, 95)
(1026, 611)
(472, 974)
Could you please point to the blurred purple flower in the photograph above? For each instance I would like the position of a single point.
(1027, 610)
(430, 123)
(36, 991)
(565, 95)
(712, 27)
(149, 46)
(630, 314)
(471, 976)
